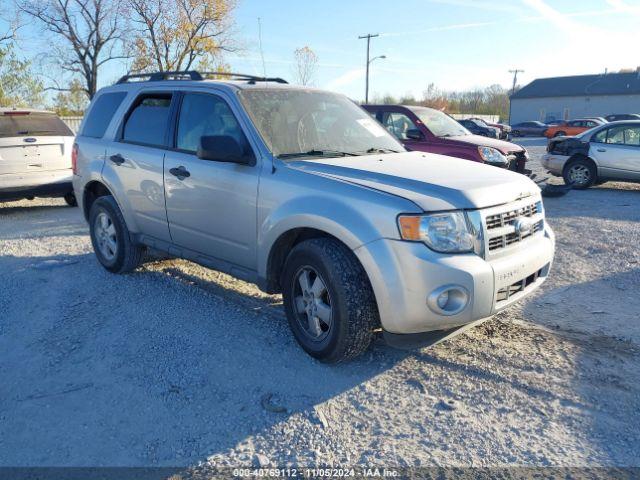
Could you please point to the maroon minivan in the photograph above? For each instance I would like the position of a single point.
(429, 130)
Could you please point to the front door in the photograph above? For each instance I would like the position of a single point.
(617, 151)
(213, 209)
(398, 124)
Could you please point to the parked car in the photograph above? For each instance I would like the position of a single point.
(428, 130)
(572, 127)
(622, 116)
(523, 129)
(607, 152)
(302, 192)
(35, 155)
(504, 131)
(479, 128)
(555, 122)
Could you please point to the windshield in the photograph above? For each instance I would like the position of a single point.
(311, 122)
(439, 123)
(23, 124)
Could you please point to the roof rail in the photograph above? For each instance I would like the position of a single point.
(194, 75)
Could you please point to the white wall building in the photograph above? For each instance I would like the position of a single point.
(565, 98)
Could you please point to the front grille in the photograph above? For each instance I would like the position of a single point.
(517, 287)
(501, 231)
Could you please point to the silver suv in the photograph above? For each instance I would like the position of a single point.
(301, 192)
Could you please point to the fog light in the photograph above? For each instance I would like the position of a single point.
(448, 300)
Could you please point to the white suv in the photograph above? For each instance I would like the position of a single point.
(35, 155)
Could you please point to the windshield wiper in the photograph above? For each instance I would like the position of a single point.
(318, 153)
(381, 150)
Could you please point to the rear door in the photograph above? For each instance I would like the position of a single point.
(617, 151)
(34, 142)
(135, 161)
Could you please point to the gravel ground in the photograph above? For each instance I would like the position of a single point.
(179, 365)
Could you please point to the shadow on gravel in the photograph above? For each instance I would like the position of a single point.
(145, 369)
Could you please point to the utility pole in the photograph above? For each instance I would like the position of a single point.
(515, 79)
(368, 36)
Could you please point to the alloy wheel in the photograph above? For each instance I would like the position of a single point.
(105, 235)
(312, 303)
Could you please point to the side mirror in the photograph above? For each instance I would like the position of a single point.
(223, 148)
(414, 134)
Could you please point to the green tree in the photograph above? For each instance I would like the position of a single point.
(19, 87)
(71, 102)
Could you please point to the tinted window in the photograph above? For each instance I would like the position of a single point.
(206, 115)
(398, 124)
(147, 122)
(100, 114)
(37, 124)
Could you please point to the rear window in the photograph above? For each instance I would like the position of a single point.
(147, 122)
(101, 113)
(36, 124)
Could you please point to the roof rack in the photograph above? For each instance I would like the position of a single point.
(194, 75)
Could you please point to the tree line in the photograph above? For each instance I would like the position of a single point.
(84, 36)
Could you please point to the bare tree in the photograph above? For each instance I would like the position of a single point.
(174, 34)
(306, 62)
(87, 34)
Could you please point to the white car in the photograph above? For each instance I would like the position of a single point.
(606, 152)
(35, 155)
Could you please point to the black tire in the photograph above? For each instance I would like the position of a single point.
(70, 198)
(354, 312)
(560, 134)
(127, 255)
(580, 172)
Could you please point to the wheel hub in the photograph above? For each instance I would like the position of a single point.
(312, 303)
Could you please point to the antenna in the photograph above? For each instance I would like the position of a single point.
(264, 66)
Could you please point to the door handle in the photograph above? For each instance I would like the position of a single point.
(180, 172)
(602, 149)
(117, 159)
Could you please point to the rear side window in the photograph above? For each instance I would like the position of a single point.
(21, 124)
(101, 113)
(147, 122)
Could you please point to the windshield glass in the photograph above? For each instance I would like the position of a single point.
(439, 123)
(20, 125)
(304, 121)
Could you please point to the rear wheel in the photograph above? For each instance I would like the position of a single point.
(110, 237)
(70, 198)
(328, 300)
(580, 172)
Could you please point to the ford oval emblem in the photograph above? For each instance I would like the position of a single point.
(30, 140)
(523, 226)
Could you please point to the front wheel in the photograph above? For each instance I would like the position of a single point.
(328, 300)
(110, 237)
(580, 172)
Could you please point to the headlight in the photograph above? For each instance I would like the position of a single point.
(493, 156)
(443, 232)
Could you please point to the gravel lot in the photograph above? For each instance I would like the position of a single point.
(179, 365)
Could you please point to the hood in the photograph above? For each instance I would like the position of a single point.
(478, 140)
(433, 182)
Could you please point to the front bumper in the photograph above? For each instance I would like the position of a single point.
(404, 274)
(554, 163)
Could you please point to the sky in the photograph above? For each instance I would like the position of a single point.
(455, 44)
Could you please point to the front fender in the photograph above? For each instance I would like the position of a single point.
(352, 225)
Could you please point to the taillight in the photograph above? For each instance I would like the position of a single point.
(74, 159)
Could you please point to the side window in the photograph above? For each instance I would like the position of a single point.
(398, 124)
(624, 135)
(101, 113)
(616, 136)
(590, 124)
(206, 115)
(632, 136)
(601, 136)
(148, 120)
